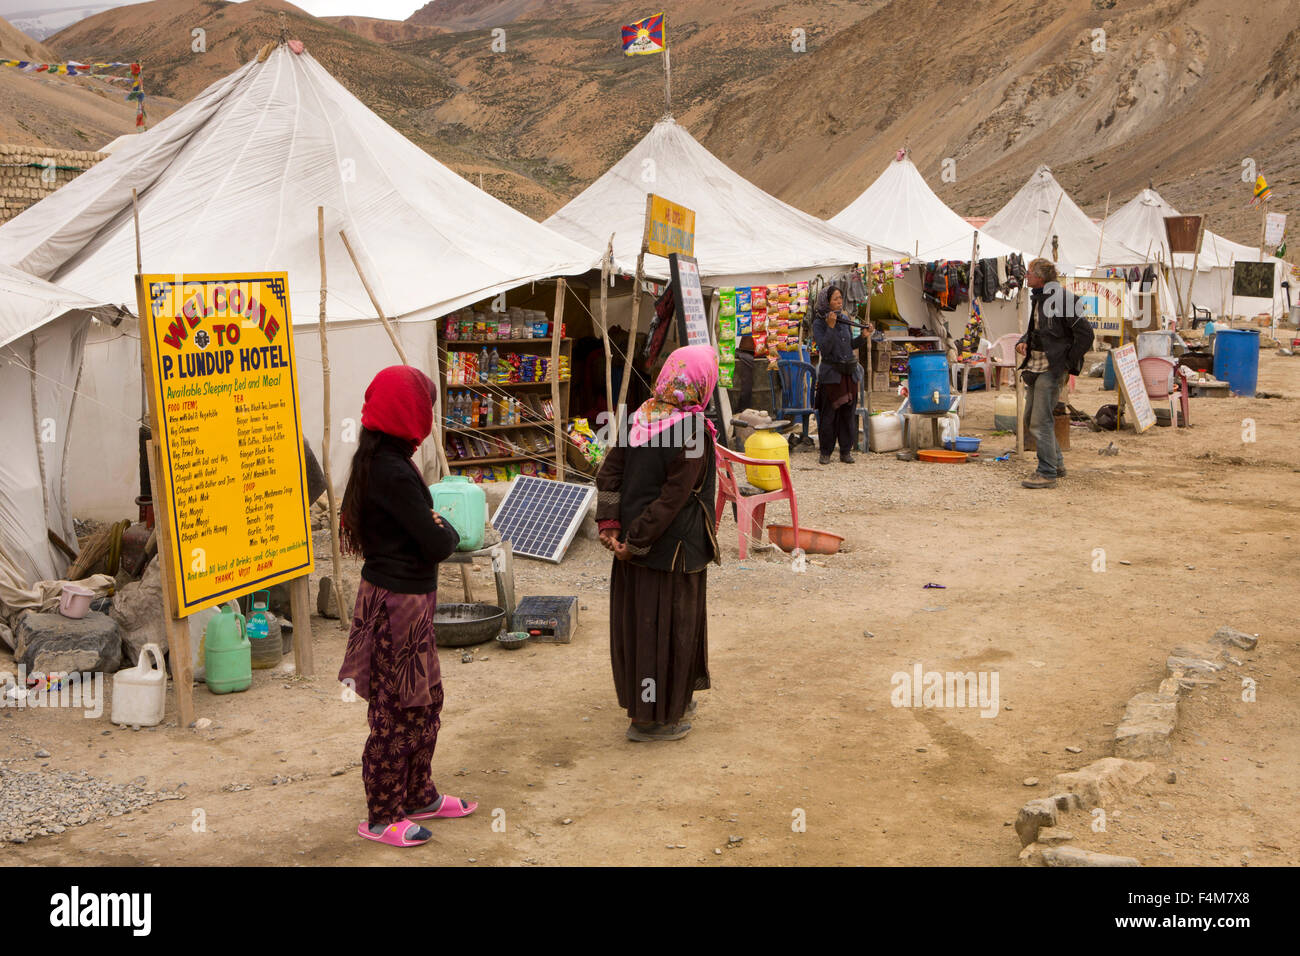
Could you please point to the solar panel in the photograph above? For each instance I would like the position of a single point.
(539, 517)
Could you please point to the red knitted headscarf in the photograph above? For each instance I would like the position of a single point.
(399, 402)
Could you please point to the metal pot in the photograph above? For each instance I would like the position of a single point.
(460, 625)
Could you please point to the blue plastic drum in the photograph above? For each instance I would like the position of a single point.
(1236, 360)
(927, 382)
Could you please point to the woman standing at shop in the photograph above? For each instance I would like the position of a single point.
(655, 511)
(392, 658)
(838, 375)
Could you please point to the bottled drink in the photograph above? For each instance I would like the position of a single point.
(483, 366)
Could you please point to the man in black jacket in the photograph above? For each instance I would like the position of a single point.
(1054, 346)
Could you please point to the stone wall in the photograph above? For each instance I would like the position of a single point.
(30, 173)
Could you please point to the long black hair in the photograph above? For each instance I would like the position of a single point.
(350, 517)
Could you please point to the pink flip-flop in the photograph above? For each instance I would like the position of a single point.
(393, 835)
(446, 810)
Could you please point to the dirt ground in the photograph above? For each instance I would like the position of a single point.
(1197, 528)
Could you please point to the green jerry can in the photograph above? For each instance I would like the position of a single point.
(464, 505)
(228, 653)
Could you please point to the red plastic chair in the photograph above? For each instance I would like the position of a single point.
(1163, 379)
(750, 508)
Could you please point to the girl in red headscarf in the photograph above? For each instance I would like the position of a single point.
(392, 657)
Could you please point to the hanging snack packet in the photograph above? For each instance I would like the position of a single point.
(758, 297)
(727, 302)
(726, 374)
(760, 344)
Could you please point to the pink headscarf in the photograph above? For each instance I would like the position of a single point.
(685, 383)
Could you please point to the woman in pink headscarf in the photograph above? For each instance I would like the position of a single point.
(654, 505)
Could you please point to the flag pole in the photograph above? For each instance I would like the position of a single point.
(668, 83)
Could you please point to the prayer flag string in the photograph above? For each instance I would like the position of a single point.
(73, 68)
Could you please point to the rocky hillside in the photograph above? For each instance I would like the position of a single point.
(809, 100)
(61, 111)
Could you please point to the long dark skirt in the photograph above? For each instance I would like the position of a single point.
(396, 764)
(837, 416)
(658, 640)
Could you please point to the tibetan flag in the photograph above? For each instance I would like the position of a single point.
(1262, 191)
(645, 36)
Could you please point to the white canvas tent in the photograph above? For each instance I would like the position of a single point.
(743, 235)
(901, 210)
(42, 333)
(231, 183)
(1042, 209)
(1141, 222)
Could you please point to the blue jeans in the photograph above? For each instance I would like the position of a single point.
(1040, 402)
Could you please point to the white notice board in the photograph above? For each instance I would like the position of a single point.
(690, 300)
(1132, 388)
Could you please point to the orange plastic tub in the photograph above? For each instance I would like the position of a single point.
(941, 456)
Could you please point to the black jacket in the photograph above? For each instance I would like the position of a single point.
(401, 542)
(838, 349)
(688, 542)
(1059, 327)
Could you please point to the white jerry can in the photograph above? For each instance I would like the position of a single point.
(140, 693)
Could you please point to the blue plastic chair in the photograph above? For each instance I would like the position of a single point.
(792, 392)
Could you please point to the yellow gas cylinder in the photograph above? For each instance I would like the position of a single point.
(765, 443)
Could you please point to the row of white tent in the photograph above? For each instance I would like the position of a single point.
(231, 182)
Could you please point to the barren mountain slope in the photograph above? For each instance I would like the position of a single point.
(1179, 93)
(382, 31)
(1112, 94)
(62, 111)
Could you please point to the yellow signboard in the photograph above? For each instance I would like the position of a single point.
(1105, 302)
(669, 228)
(219, 352)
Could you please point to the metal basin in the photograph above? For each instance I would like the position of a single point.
(460, 625)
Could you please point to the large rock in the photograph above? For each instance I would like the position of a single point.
(138, 610)
(1104, 782)
(1192, 659)
(1073, 856)
(1148, 722)
(54, 644)
(1033, 817)
(1233, 638)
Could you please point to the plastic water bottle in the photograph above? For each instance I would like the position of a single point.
(483, 366)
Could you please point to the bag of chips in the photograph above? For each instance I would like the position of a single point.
(726, 302)
(743, 300)
(726, 374)
(758, 297)
(760, 344)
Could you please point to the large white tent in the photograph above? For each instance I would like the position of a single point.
(901, 209)
(1041, 210)
(1140, 223)
(42, 332)
(743, 235)
(231, 182)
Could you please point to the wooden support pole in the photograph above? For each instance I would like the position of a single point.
(401, 352)
(341, 598)
(636, 324)
(1020, 412)
(1101, 235)
(176, 629)
(392, 333)
(1191, 283)
(304, 660)
(557, 415)
(606, 270)
(871, 364)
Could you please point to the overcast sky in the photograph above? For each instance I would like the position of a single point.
(385, 9)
